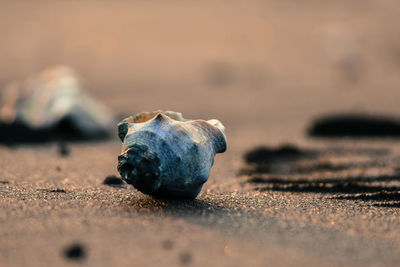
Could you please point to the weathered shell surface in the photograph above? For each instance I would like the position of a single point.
(165, 155)
(45, 99)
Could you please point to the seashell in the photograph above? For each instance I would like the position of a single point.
(51, 98)
(165, 155)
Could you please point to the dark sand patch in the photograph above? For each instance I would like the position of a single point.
(75, 252)
(220, 74)
(387, 205)
(326, 188)
(384, 195)
(266, 154)
(185, 258)
(355, 125)
(289, 159)
(347, 174)
(167, 244)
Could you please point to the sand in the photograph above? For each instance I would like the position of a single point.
(266, 70)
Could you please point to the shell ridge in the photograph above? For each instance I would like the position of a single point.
(216, 135)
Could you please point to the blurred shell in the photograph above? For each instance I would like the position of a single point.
(44, 100)
(165, 155)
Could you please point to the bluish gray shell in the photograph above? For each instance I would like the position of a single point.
(165, 155)
(47, 99)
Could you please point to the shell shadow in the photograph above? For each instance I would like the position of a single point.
(202, 211)
(174, 207)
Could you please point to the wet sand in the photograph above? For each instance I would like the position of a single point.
(266, 70)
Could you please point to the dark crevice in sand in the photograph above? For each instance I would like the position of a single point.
(57, 190)
(355, 125)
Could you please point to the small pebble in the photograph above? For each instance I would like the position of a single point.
(63, 149)
(185, 258)
(113, 180)
(58, 191)
(75, 252)
(167, 244)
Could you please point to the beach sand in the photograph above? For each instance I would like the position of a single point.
(266, 69)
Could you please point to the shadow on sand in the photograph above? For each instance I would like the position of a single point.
(325, 172)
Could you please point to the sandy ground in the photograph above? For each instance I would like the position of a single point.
(265, 69)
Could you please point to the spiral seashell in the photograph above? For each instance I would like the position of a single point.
(165, 155)
(46, 102)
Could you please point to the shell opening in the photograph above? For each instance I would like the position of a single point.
(140, 168)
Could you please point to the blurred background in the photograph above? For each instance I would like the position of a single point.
(246, 63)
(266, 70)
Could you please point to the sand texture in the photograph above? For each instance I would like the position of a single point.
(266, 69)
